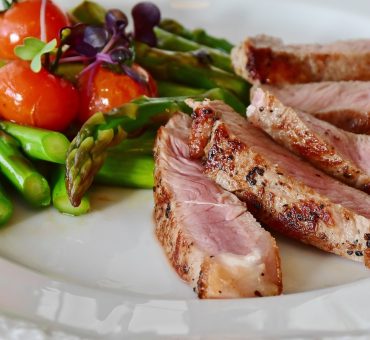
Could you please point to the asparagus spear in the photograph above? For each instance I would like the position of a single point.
(169, 89)
(198, 35)
(88, 12)
(130, 163)
(185, 68)
(6, 207)
(142, 145)
(60, 195)
(38, 143)
(128, 170)
(20, 172)
(174, 42)
(89, 148)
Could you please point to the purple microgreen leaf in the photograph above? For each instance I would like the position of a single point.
(87, 40)
(116, 20)
(146, 16)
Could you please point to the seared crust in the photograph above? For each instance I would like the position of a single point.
(348, 120)
(266, 60)
(279, 200)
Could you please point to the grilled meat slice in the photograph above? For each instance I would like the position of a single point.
(283, 191)
(345, 104)
(267, 60)
(341, 154)
(210, 238)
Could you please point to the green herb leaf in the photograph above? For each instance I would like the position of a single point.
(6, 5)
(33, 49)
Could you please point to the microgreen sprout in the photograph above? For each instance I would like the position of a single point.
(33, 50)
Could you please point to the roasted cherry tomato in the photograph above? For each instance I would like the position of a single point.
(108, 90)
(23, 20)
(36, 99)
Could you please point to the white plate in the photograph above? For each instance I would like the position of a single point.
(105, 275)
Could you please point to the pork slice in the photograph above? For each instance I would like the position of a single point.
(345, 104)
(267, 60)
(283, 191)
(210, 238)
(341, 154)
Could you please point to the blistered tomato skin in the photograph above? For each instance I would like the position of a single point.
(36, 99)
(109, 90)
(23, 20)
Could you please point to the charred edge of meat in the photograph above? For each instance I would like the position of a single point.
(303, 218)
(252, 174)
(366, 188)
(269, 67)
(223, 158)
(367, 258)
(348, 120)
(298, 220)
(203, 120)
(201, 284)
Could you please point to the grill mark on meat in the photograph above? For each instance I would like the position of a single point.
(252, 174)
(266, 60)
(291, 197)
(339, 153)
(304, 218)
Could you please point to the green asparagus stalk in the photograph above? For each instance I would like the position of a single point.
(89, 148)
(3, 63)
(60, 196)
(6, 207)
(198, 35)
(88, 12)
(142, 145)
(169, 89)
(185, 68)
(38, 143)
(174, 42)
(133, 170)
(20, 172)
(130, 163)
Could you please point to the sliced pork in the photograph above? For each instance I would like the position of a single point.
(345, 104)
(341, 154)
(267, 60)
(280, 189)
(210, 238)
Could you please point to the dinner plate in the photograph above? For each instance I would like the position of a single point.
(104, 275)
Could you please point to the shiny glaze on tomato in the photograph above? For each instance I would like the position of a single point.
(36, 99)
(108, 90)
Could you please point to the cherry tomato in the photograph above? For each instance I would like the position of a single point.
(36, 99)
(23, 20)
(108, 90)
